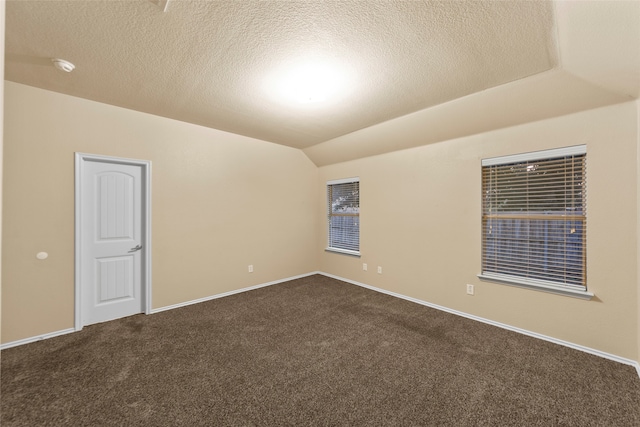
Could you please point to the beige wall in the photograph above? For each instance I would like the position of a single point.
(219, 203)
(420, 221)
(222, 201)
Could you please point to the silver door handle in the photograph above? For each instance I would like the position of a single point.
(137, 248)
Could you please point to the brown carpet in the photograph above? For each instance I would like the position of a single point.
(312, 351)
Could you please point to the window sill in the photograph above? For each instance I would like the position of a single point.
(536, 285)
(343, 251)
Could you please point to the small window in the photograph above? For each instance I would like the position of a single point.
(343, 207)
(534, 220)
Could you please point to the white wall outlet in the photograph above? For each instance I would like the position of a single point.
(364, 266)
(379, 270)
(470, 290)
(250, 268)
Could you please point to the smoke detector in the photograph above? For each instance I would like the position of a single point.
(63, 65)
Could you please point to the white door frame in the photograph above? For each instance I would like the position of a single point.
(80, 159)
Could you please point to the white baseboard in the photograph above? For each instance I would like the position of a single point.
(373, 288)
(36, 338)
(157, 310)
(226, 294)
(498, 324)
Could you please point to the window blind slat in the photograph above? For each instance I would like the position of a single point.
(343, 209)
(534, 217)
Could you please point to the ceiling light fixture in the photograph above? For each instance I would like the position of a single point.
(309, 82)
(63, 65)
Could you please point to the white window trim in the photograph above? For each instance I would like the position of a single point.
(538, 285)
(528, 283)
(343, 181)
(536, 155)
(340, 250)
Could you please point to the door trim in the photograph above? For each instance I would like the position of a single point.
(80, 159)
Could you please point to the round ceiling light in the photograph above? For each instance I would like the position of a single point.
(63, 65)
(309, 82)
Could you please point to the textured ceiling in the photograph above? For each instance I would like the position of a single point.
(217, 63)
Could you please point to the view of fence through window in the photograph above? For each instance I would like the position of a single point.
(534, 220)
(344, 215)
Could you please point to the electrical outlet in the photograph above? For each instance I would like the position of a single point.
(251, 268)
(470, 290)
(364, 267)
(379, 270)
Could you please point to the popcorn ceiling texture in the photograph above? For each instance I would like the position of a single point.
(207, 62)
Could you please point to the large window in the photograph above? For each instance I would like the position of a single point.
(534, 220)
(343, 207)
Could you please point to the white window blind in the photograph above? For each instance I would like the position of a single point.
(534, 218)
(343, 207)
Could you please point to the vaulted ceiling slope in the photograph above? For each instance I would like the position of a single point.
(442, 69)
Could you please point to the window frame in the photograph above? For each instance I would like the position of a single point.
(330, 215)
(556, 287)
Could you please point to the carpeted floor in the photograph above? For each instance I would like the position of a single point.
(313, 351)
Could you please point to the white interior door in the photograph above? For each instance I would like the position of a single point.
(111, 240)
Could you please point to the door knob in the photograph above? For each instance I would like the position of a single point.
(137, 248)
